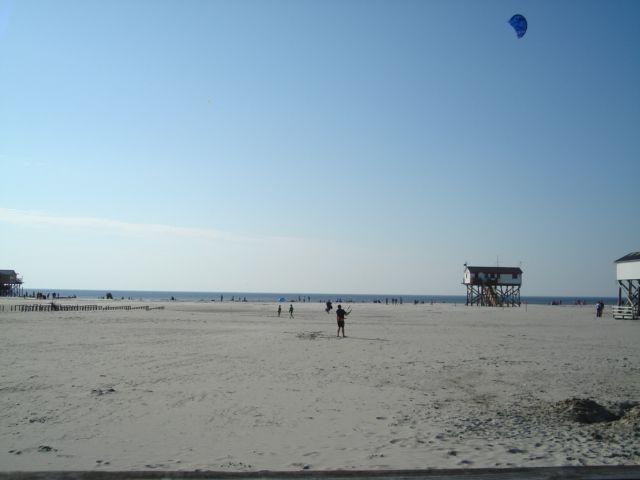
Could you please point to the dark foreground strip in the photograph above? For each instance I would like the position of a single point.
(624, 472)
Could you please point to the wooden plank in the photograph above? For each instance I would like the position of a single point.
(624, 312)
(623, 472)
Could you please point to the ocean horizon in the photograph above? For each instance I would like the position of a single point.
(191, 296)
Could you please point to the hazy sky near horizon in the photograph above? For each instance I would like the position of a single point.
(318, 146)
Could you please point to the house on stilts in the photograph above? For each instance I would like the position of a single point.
(10, 284)
(493, 286)
(628, 275)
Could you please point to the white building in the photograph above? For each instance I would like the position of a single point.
(495, 275)
(628, 276)
(628, 267)
(493, 286)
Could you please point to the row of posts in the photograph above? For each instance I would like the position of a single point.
(53, 307)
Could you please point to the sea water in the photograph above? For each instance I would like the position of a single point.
(299, 297)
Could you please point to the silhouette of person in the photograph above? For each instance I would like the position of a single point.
(340, 315)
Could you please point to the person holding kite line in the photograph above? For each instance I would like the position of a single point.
(340, 314)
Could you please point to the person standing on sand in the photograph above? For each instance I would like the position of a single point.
(340, 314)
(291, 310)
(279, 309)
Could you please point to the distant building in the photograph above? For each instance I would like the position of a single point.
(493, 286)
(628, 276)
(10, 283)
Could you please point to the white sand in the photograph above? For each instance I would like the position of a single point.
(232, 387)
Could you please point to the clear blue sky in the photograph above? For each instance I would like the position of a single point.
(328, 146)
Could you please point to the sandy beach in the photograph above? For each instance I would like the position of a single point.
(233, 387)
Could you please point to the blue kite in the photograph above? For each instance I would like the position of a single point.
(519, 24)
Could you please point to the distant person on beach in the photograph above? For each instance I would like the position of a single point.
(340, 314)
(291, 311)
(599, 309)
(279, 309)
(329, 307)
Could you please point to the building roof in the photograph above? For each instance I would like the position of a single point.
(629, 257)
(496, 270)
(9, 277)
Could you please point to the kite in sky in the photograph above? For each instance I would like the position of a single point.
(519, 24)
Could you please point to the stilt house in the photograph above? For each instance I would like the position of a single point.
(493, 286)
(628, 275)
(10, 283)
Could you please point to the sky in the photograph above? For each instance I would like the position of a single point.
(344, 146)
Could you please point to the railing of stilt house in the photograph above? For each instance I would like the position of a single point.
(625, 312)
